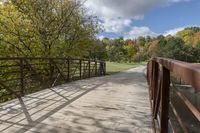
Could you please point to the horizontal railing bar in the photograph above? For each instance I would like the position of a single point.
(187, 102)
(10, 72)
(40, 71)
(188, 72)
(9, 94)
(46, 58)
(190, 106)
(9, 66)
(14, 79)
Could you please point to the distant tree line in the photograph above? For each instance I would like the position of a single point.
(185, 46)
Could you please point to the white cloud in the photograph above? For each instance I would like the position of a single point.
(118, 15)
(140, 31)
(176, 30)
(173, 31)
(124, 8)
(101, 37)
(146, 31)
(179, 0)
(116, 25)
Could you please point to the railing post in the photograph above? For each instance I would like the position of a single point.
(22, 76)
(155, 83)
(104, 68)
(95, 68)
(165, 84)
(80, 63)
(151, 79)
(68, 69)
(51, 69)
(89, 68)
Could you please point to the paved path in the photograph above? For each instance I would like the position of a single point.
(110, 104)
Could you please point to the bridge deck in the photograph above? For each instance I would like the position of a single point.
(117, 103)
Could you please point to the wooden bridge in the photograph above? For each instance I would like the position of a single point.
(168, 101)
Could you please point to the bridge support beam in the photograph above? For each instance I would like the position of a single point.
(165, 99)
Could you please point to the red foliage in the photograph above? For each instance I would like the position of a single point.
(154, 44)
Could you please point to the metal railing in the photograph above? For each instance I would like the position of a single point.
(21, 76)
(173, 88)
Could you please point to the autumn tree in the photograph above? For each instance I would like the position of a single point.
(131, 52)
(141, 41)
(46, 28)
(186, 35)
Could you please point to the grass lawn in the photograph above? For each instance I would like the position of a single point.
(113, 67)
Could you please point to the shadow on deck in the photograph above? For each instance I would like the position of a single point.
(117, 103)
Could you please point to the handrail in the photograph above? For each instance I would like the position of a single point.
(190, 73)
(159, 72)
(19, 74)
(61, 58)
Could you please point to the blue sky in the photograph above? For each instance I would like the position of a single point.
(133, 18)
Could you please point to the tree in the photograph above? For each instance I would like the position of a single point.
(131, 52)
(141, 41)
(198, 44)
(196, 39)
(148, 39)
(158, 46)
(173, 47)
(187, 36)
(98, 51)
(46, 28)
(194, 29)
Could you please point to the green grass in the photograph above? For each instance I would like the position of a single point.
(113, 67)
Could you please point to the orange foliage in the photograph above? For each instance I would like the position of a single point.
(154, 44)
(196, 39)
(130, 42)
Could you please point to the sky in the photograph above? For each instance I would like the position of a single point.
(133, 18)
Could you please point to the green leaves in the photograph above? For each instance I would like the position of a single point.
(174, 48)
(47, 28)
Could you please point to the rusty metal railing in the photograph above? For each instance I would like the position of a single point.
(21, 76)
(174, 88)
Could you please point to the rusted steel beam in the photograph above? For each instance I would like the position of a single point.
(68, 69)
(22, 77)
(23, 71)
(188, 72)
(45, 58)
(157, 100)
(96, 68)
(190, 106)
(80, 69)
(155, 83)
(59, 71)
(165, 100)
(89, 67)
